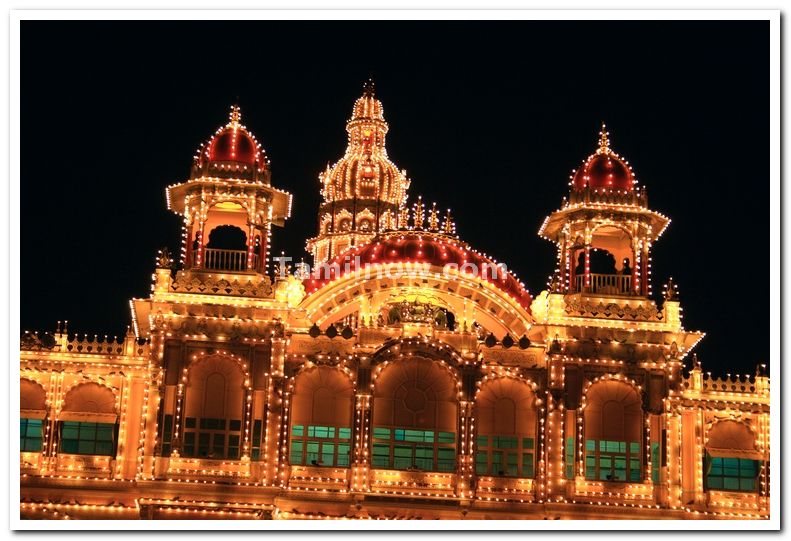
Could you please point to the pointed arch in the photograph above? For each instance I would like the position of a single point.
(322, 407)
(506, 420)
(613, 423)
(415, 415)
(214, 408)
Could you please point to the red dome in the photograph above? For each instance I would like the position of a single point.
(604, 169)
(420, 248)
(233, 144)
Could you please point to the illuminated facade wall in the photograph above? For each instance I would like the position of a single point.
(412, 393)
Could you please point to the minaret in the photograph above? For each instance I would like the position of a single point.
(363, 191)
(605, 230)
(228, 203)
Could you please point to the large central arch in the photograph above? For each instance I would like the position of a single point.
(359, 291)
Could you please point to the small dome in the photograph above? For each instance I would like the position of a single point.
(604, 170)
(233, 143)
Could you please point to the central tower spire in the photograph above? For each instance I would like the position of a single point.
(362, 191)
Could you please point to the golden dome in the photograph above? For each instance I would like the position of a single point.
(365, 171)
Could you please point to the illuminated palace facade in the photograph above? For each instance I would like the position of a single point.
(409, 377)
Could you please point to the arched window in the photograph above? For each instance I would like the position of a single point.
(415, 414)
(214, 409)
(732, 462)
(613, 432)
(321, 418)
(505, 417)
(88, 421)
(32, 411)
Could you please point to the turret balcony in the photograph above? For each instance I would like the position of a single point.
(605, 284)
(227, 260)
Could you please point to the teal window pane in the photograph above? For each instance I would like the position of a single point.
(328, 454)
(634, 447)
(33, 428)
(481, 463)
(69, 446)
(86, 447)
(414, 435)
(398, 434)
(482, 441)
(343, 454)
(715, 482)
(512, 465)
(344, 433)
(730, 483)
(69, 432)
(381, 433)
(446, 437)
(527, 443)
(381, 456)
(297, 430)
(295, 457)
(104, 448)
(527, 465)
(590, 445)
(747, 484)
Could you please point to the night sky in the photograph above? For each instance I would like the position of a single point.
(488, 118)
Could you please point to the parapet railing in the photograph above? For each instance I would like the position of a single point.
(227, 260)
(605, 284)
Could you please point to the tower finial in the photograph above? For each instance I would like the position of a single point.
(236, 114)
(604, 139)
(368, 87)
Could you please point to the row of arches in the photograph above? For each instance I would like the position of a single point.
(415, 423)
(86, 424)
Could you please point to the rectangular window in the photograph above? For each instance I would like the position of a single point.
(607, 460)
(167, 434)
(87, 438)
(509, 456)
(30, 431)
(257, 430)
(735, 474)
(215, 438)
(406, 448)
(321, 445)
(570, 454)
(655, 463)
(295, 457)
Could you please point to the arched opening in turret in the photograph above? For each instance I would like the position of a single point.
(225, 240)
(606, 265)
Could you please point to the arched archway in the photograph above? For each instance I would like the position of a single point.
(732, 462)
(506, 421)
(32, 411)
(214, 409)
(613, 432)
(89, 421)
(415, 416)
(321, 418)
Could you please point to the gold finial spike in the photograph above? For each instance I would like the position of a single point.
(236, 114)
(604, 139)
(368, 87)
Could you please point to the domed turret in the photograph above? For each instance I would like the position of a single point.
(232, 152)
(363, 190)
(604, 169)
(365, 171)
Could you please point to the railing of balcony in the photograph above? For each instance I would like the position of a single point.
(606, 284)
(227, 260)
